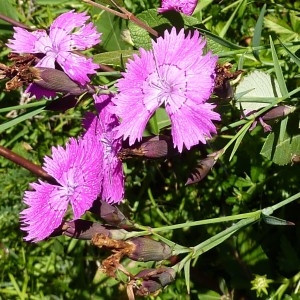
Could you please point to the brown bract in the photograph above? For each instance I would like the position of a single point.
(121, 248)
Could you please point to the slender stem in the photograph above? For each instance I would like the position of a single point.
(269, 210)
(223, 235)
(25, 163)
(125, 14)
(198, 223)
(13, 22)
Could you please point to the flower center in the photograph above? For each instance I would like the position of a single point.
(168, 86)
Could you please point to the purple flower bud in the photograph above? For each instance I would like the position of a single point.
(113, 216)
(146, 249)
(58, 81)
(151, 280)
(155, 147)
(83, 229)
(202, 170)
(278, 112)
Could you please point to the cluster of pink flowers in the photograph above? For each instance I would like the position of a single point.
(174, 74)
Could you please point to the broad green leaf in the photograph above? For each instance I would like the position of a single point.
(7, 9)
(159, 22)
(111, 27)
(114, 58)
(282, 28)
(257, 85)
(281, 152)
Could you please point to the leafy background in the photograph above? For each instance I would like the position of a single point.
(156, 193)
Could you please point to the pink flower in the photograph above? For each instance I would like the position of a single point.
(101, 127)
(183, 6)
(176, 74)
(67, 33)
(77, 170)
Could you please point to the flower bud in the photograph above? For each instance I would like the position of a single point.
(202, 170)
(86, 230)
(58, 81)
(151, 280)
(113, 216)
(146, 249)
(83, 229)
(155, 147)
(278, 112)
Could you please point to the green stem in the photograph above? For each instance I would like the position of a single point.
(147, 230)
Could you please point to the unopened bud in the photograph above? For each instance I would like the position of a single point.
(86, 230)
(146, 249)
(278, 112)
(83, 229)
(151, 280)
(58, 81)
(155, 147)
(202, 170)
(113, 216)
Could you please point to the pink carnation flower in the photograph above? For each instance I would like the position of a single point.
(77, 170)
(67, 33)
(183, 6)
(102, 127)
(176, 74)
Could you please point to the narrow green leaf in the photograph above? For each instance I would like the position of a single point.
(276, 221)
(278, 71)
(24, 106)
(228, 23)
(294, 57)
(222, 236)
(20, 119)
(219, 40)
(187, 275)
(257, 31)
(15, 284)
(241, 133)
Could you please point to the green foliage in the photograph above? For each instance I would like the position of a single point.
(238, 257)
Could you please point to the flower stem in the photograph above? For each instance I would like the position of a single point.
(125, 14)
(25, 163)
(13, 22)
